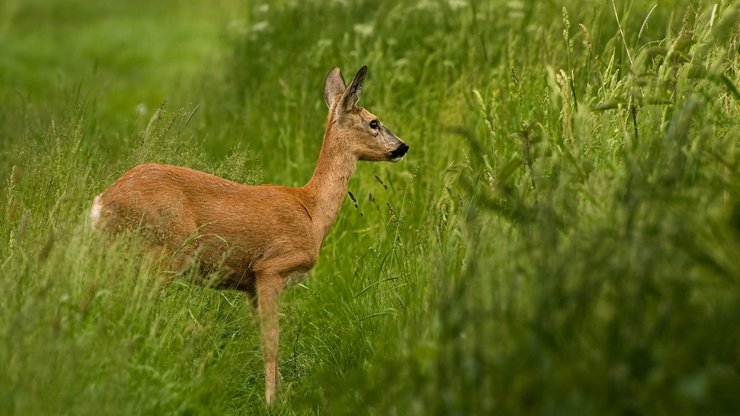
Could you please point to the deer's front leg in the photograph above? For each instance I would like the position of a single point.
(268, 292)
(271, 274)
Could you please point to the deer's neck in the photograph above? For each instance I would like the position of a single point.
(327, 188)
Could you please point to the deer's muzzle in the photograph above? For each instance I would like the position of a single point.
(401, 150)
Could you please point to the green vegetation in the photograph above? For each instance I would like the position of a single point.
(561, 239)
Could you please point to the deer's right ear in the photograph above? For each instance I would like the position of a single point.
(352, 95)
(333, 87)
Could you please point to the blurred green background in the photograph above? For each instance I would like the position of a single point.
(562, 237)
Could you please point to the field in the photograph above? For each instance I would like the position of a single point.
(562, 238)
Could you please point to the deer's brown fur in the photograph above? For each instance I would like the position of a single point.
(256, 237)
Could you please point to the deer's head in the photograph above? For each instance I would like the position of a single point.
(355, 129)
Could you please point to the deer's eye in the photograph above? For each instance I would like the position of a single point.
(374, 124)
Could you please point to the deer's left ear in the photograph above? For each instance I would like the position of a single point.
(352, 94)
(333, 86)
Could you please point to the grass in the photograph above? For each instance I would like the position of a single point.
(561, 238)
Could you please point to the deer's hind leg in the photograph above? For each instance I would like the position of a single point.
(173, 252)
(166, 264)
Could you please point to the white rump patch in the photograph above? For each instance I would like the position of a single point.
(95, 212)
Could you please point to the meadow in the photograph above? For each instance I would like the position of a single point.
(562, 237)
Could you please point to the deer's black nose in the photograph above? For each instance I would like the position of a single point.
(400, 151)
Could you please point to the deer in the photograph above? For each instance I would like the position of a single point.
(255, 238)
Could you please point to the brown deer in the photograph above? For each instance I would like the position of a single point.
(256, 238)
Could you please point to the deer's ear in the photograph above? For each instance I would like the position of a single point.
(333, 86)
(353, 92)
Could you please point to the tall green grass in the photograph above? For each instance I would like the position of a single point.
(560, 239)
